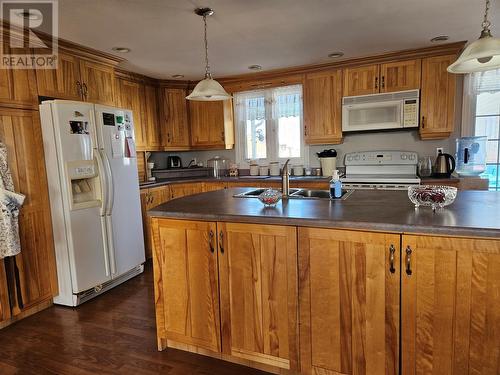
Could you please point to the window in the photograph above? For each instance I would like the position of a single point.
(269, 125)
(484, 107)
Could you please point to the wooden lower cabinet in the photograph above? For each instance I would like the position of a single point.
(450, 306)
(4, 295)
(182, 190)
(349, 302)
(186, 283)
(213, 186)
(150, 198)
(258, 293)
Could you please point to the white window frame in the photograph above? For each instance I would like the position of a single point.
(272, 142)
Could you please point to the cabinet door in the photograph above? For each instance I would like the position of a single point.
(4, 295)
(151, 198)
(174, 119)
(99, 82)
(20, 130)
(400, 75)
(258, 286)
(182, 190)
(437, 106)
(349, 302)
(208, 122)
(63, 82)
(450, 306)
(363, 80)
(18, 87)
(323, 108)
(131, 96)
(150, 118)
(186, 283)
(212, 186)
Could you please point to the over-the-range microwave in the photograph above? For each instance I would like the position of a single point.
(396, 110)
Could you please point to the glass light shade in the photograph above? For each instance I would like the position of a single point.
(481, 55)
(208, 90)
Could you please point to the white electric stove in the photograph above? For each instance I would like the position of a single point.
(386, 170)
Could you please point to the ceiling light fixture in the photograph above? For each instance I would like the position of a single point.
(482, 54)
(178, 76)
(255, 67)
(207, 89)
(121, 49)
(335, 55)
(440, 38)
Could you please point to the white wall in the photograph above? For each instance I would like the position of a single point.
(406, 140)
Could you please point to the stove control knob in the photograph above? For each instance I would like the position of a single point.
(403, 156)
(356, 157)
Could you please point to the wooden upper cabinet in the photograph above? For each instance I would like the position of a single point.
(18, 87)
(437, 98)
(450, 306)
(363, 80)
(63, 82)
(258, 293)
(323, 108)
(98, 81)
(20, 131)
(400, 75)
(130, 96)
(186, 283)
(151, 119)
(349, 302)
(4, 295)
(211, 124)
(174, 119)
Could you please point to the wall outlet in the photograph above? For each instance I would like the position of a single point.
(439, 150)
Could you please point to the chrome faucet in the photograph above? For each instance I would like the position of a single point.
(285, 180)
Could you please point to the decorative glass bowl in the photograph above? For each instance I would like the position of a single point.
(432, 196)
(270, 197)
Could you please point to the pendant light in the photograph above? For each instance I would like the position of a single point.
(207, 89)
(481, 55)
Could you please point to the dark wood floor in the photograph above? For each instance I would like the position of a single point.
(112, 334)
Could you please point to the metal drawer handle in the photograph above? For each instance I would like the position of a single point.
(408, 260)
(376, 82)
(210, 240)
(383, 82)
(392, 251)
(221, 242)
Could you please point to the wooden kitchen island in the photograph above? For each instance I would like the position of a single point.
(367, 285)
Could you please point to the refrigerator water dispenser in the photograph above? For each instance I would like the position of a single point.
(85, 185)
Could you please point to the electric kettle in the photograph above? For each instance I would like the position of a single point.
(444, 165)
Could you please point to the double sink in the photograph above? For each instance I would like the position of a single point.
(298, 194)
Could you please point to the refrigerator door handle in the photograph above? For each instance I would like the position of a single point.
(111, 247)
(105, 243)
(110, 183)
(102, 181)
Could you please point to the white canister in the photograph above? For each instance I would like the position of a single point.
(263, 170)
(274, 168)
(328, 165)
(298, 170)
(254, 169)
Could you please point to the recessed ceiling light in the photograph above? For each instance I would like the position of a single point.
(178, 76)
(30, 14)
(255, 67)
(121, 49)
(440, 38)
(335, 55)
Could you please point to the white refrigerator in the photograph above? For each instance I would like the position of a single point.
(94, 197)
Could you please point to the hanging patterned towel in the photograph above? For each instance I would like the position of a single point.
(10, 203)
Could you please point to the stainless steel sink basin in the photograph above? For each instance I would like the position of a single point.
(297, 194)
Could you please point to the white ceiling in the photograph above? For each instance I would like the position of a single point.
(166, 37)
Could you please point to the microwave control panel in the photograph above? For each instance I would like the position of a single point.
(410, 113)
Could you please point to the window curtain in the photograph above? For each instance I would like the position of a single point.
(287, 101)
(481, 82)
(250, 106)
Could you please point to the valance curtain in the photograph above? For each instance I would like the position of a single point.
(481, 82)
(287, 101)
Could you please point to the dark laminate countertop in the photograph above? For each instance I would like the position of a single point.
(474, 213)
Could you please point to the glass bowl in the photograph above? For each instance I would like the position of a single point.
(270, 197)
(432, 196)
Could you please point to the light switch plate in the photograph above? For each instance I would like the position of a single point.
(439, 150)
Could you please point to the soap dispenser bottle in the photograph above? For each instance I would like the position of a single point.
(335, 186)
